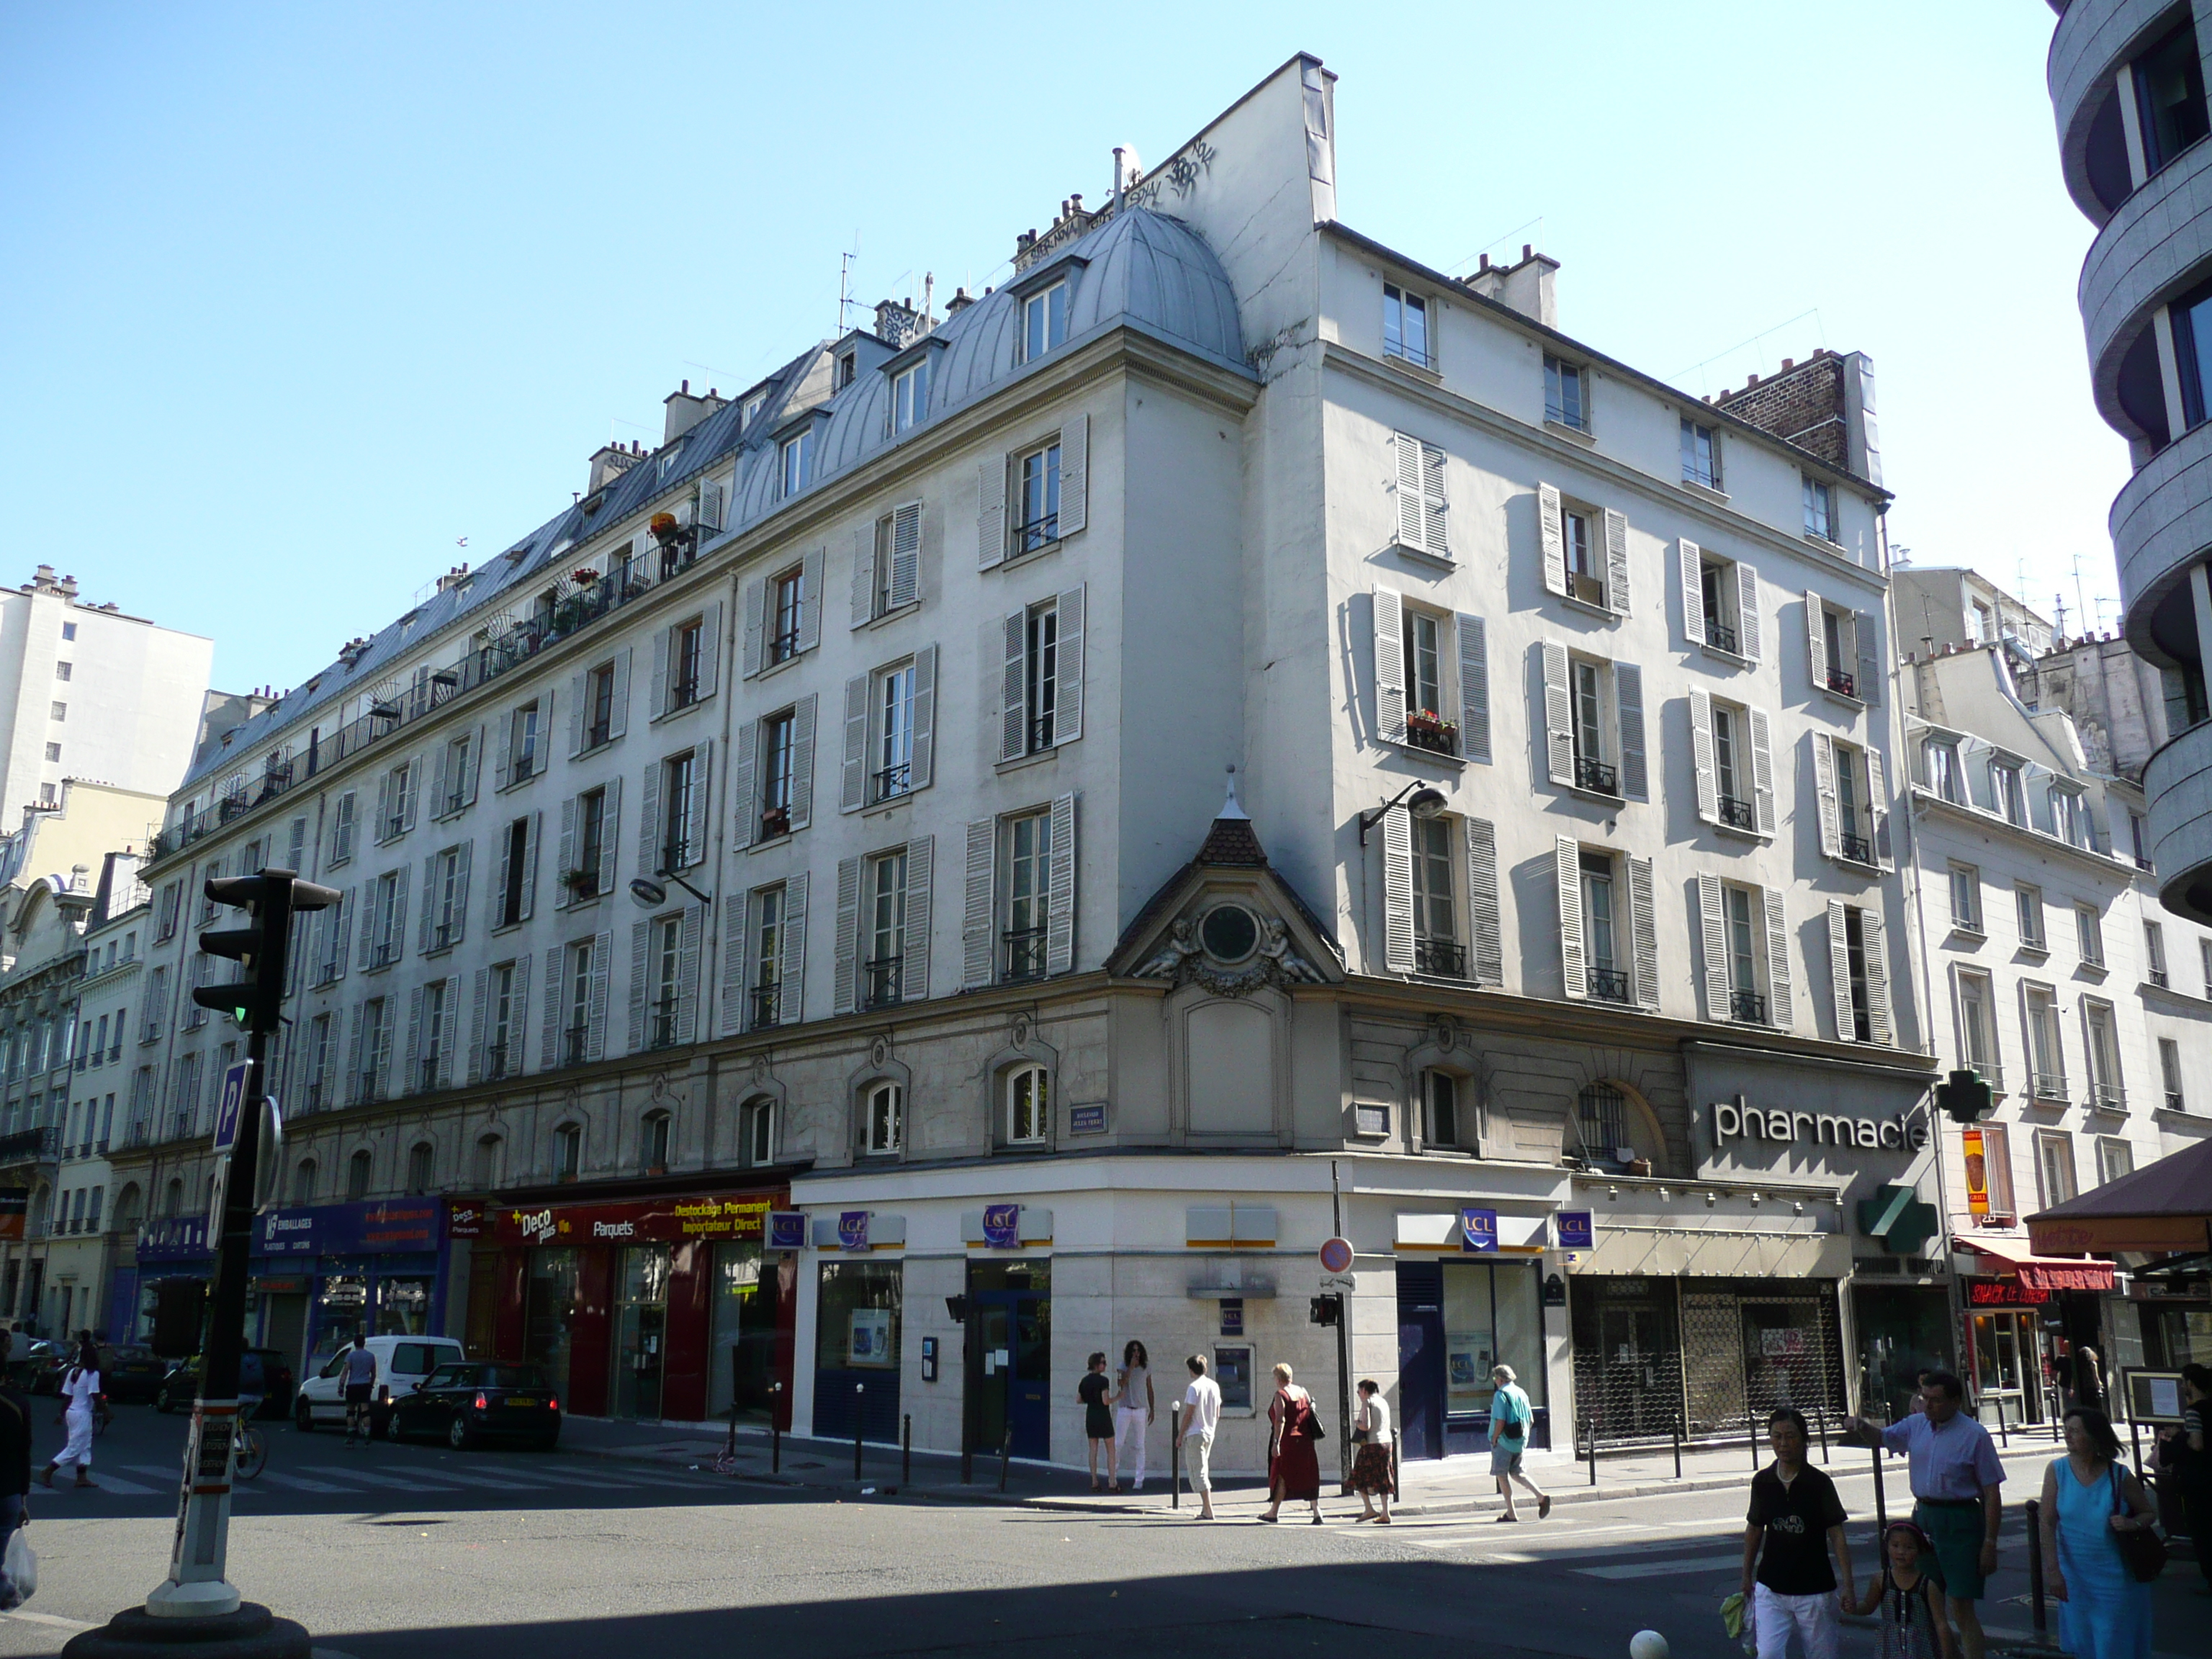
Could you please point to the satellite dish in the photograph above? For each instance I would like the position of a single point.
(649, 894)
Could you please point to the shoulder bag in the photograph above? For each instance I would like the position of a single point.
(2141, 1547)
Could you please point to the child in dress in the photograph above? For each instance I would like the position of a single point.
(1907, 1601)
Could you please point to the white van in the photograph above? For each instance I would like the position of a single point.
(401, 1363)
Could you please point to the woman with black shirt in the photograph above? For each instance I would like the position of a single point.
(1098, 1421)
(1795, 1518)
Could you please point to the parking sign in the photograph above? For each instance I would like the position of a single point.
(231, 1105)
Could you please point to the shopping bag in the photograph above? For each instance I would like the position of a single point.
(19, 1572)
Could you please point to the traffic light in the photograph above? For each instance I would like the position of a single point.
(261, 946)
(1326, 1309)
(1963, 1097)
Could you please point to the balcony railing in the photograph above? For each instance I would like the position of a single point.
(767, 1005)
(1609, 985)
(1438, 737)
(1738, 814)
(1037, 532)
(2160, 978)
(1720, 636)
(427, 1074)
(2049, 1085)
(892, 780)
(1442, 957)
(2108, 1096)
(783, 648)
(1596, 776)
(1590, 590)
(1842, 683)
(675, 855)
(775, 821)
(1023, 953)
(314, 1095)
(574, 1044)
(1748, 1007)
(383, 954)
(521, 767)
(495, 1061)
(662, 1034)
(1041, 732)
(27, 1144)
(442, 936)
(367, 1090)
(2173, 1101)
(881, 988)
(1857, 848)
(683, 694)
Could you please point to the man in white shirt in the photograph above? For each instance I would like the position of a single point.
(1201, 1414)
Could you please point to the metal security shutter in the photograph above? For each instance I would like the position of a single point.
(1780, 1005)
(1484, 924)
(1693, 593)
(1074, 476)
(1644, 932)
(1616, 562)
(1701, 756)
(1059, 889)
(991, 512)
(1568, 871)
(914, 970)
(1389, 666)
(978, 908)
(1397, 891)
(1559, 714)
(853, 793)
(1628, 694)
(1067, 709)
(1713, 928)
(1473, 687)
(844, 990)
(1552, 535)
(803, 721)
(1762, 774)
(1824, 787)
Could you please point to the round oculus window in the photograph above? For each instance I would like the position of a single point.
(1228, 932)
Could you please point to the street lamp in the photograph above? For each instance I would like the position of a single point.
(1427, 801)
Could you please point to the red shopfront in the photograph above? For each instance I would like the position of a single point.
(2021, 1325)
(659, 1308)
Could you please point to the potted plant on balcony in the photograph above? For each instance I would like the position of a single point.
(1431, 730)
(775, 821)
(583, 883)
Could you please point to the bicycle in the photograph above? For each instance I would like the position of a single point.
(250, 1450)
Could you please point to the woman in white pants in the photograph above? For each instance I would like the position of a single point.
(1133, 1411)
(80, 1387)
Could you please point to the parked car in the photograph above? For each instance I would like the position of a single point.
(130, 1374)
(465, 1403)
(401, 1363)
(36, 1366)
(263, 1371)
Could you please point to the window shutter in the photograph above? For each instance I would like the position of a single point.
(637, 953)
(610, 842)
(864, 576)
(399, 911)
(1484, 925)
(548, 1051)
(687, 972)
(1559, 714)
(429, 906)
(479, 997)
(925, 718)
(1693, 593)
(978, 905)
(462, 859)
(1574, 982)
(602, 951)
(648, 823)
(1067, 709)
(1436, 521)
(906, 554)
(1013, 689)
(710, 506)
(1878, 809)
(660, 671)
(575, 716)
(710, 649)
(506, 869)
(472, 767)
(449, 1032)
(1713, 925)
(1701, 755)
(744, 805)
(413, 1073)
(844, 988)
(793, 966)
(384, 1052)
(1816, 641)
(383, 808)
(535, 835)
(1616, 561)
(1762, 774)
(991, 511)
(618, 722)
(697, 819)
(1628, 694)
(1747, 610)
(1408, 449)
(740, 918)
(1839, 972)
(1866, 628)
(1397, 891)
(813, 575)
(1877, 974)
(340, 953)
(1059, 892)
(362, 1063)
(1781, 1008)
(1824, 785)
(1644, 932)
(853, 793)
(1074, 476)
(914, 970)
(1552, 535)
(803, 722)
(444, 784)
(1473, 687)
(1389, 667)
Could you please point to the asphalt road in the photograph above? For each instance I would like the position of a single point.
(396, 1550)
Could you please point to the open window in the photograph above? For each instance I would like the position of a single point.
(1431, 678)
(1854, 803)
(783, 614)
(1746, 946)
(1608, 934)
(1720, 603)
(1973, 997)
(1441, 915)
(1859, 973)
(883, 908)
(1735, 763)
(1041, 687)
(1018, 921)
(1585, 551)
(1594, 724)
(891, 720)
(1843, 650)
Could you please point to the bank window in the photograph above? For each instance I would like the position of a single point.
(1566, 401)
(1492, 1315)
(857, 1327)
(2054, 1166)
(1406, 325)
(1028, 1105)
(2169, 1071)
(2089, 935)
(1939, 759)
(1444, 1120)
(1966, 898)
(2115, 1157)
(1044, 321)
(2027, 908)
(882, 1112)
(2154, 954)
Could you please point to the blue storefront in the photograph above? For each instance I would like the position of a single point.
(317, 1272)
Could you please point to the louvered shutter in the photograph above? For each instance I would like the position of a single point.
(638, 943)
(1866, 628)
(1389, 666)
(1074, 476)
(618, 722)
(793, 993)
(1628, 694)
(1747, 610)
(449, 1032)
(1871, 934)
(813, 580)
(1473, 687)
(399, 912)
(1436, 521)
(660, 641)
(462, 857)
(1644, 932)
(844, 988)
(648, 823)
(384, 1052)
(710, 506)
(412, 1076)
(1701, 756)
(383, 807)
(1068, 706)
(923, 765)
(978, 906)
(1397, 891)
(1878, 809)
(687, 941)
(532, 837)
(610, 841)
(863, 574)
(802, 723)
(1559, 714)
(914, 970)
(1552, 536)
(1781, 1005)
(1713, 922)
(1484, 924)
(1816, 641)
(906, 554)
(697, 818)
(444, 784)
(1839, 973)
(1013, 689)
(852, 795)
(1568, 873)
(740, 926)
(1408, 450)
(991, 512)
(745, 802)
(359, 1065)
(1824, 785)
(602, 953)
(575, 716)
(565, 895)
(342, 947)
(1693, 592)
(479, 998)
(548, 1051)
(1059, 889)
(1616, 561)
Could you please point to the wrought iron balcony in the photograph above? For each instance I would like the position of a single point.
(1043, 729)
(2108, 1097)
(892, 781)
(2173, 1101)
(2049, 1085)
(1037, 532)
(1738, 814)
(683, 693)
(767, 1005)
(1022, 953)
(495, 1061)
(783, 647)
(383, 954)
(1596, 776)
(881, 987)
(521, 767)
(1857, 848)
(427, 1073)
(675, 855)
(368, 1089)
(663, 1032)
(1720, 636)
(1609, 985)
(27, 1145)
(1748, 1007)
(1443, 959)
(1842, 683)
(575, 1044)
(2160, 978)
(1427, 731)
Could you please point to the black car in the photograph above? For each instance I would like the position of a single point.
(464, 1403)
(130, 1374)
(263, 1371)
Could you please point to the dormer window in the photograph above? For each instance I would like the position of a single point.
(849, 367)
(750, 408)
(797, 461)
(1044, 321)
(910, 397)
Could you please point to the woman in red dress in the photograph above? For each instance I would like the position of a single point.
(1293, 1471)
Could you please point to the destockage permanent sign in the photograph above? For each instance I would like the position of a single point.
(645, 1221)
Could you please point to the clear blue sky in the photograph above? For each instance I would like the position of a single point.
(297, 296)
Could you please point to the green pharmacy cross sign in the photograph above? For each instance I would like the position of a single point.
(1896, 1216)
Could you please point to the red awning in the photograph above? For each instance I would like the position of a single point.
(2042, 1272)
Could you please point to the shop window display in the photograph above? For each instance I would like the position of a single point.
(642, 1319)
(743, 1313)
(856, 1352)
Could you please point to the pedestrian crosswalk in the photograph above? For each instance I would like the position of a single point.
(361, 1480)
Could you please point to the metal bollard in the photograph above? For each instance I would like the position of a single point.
(1593, 1451)
(1881, 1508)
(1751, 1429)
(1005, 1453)
(2004, 1424)
(2035, 1565)
(906, 1450)
(1678, 1446)
(1821, 1418)
(859, 1389)
(1175, 1471)
(775, 1429)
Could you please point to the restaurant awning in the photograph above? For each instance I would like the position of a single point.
(2163, 1209)
(2038, 1273)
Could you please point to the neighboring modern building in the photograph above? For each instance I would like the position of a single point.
(827, 819)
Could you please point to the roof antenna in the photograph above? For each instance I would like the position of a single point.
(1230, 808)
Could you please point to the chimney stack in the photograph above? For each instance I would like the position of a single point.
(685, 411)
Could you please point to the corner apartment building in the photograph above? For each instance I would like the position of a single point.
(803, 942)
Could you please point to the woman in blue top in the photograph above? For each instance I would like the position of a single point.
(2104, 1612)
